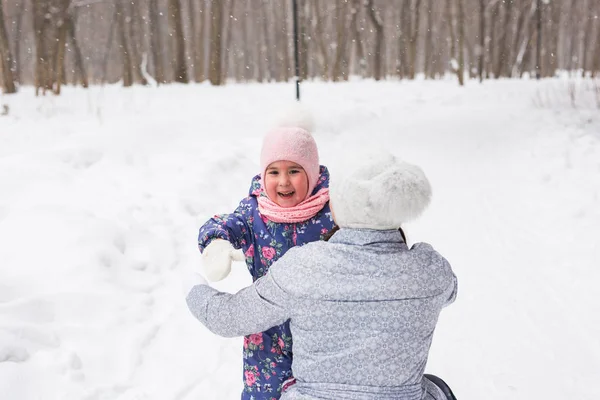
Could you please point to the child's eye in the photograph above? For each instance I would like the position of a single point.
(273, 172)
(294, 171)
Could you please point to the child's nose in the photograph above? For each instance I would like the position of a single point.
(284, 180)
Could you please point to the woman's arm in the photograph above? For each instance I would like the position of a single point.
(251, 310)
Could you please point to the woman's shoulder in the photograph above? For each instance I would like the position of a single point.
(426, 256)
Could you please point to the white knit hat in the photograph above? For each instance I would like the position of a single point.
(378, 192)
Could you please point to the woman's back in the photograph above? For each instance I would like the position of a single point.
(364, 310)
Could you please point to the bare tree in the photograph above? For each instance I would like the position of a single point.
(414, 36)
(341, 37)
(596, 50)
(371, 38)
(585, 37)
(125, 53)
(285, 44)
(461, 43)
(259, 58)
(526, 37)
(41, 26)
(427, 68)
(134, 44)
(538, 53)
(201, 71)
(228, 39)
(192, 38)
(7, 80)
(357, 39)
(79, 65)
(216, 29)
(379, 37)
(18, 38)
(155, 42)
(61, 42)
(319, 31)
(303, 17)
(248, 64)
(403, 32)
(176, 30)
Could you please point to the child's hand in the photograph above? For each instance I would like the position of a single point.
(216, 259)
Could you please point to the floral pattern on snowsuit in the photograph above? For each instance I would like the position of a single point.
(267, 355)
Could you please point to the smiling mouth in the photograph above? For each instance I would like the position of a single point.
(286, 195)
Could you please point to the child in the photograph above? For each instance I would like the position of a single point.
(288, 205)
(363, 306)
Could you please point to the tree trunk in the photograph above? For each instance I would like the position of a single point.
(414, 36)
(228, 31)
(155, 42)
(192, 46)
(461, 43)
(318, 24)
(585, 38)
(134, 42)
(516, 71)
(404, 38)
(59, 59)
(268, 49)
(176, 29)
(538, 52)
(216, 28)
(341, 28)
(248, 64)
(555, 38)
(40, 23)
(18, 35)
(481, 39)
(258, 52)
(111, 32)
(7, 80)
(491, 59)
(451, 23)
(78, 58)
(356, 38)
(427, 69)
(571, 60)
(303, 20)
(201, 71)
(379, 38)
(283, 43)
(502, 62)
(596, 50)
(125, 53)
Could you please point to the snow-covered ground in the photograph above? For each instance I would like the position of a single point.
(102, 192)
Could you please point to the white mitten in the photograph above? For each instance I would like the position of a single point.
(216, 259)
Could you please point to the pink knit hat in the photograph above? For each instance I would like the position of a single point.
(295, 144)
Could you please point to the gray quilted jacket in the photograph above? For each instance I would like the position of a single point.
(362, 310)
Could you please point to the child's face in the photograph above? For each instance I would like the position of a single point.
(286, 183)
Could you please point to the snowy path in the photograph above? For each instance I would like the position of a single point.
(102, 192)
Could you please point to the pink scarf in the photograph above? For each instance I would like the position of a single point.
(299, 213)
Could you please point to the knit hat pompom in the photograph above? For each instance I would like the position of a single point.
(378, 192)
(295, 115)
(291, 140)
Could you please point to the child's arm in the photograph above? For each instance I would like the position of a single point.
(231, 227)
(219, 237)
(251, 310)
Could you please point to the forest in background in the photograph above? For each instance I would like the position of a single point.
(50, 43)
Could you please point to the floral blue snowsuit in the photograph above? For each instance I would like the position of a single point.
(267, 355)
